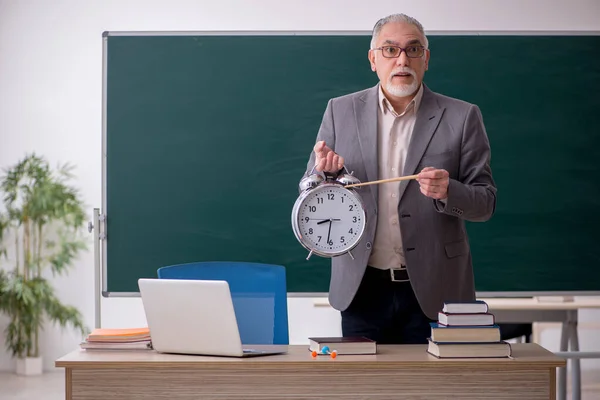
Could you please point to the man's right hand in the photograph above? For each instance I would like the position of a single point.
(326, 159)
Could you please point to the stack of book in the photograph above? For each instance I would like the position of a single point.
(466, 330)
(118, 339)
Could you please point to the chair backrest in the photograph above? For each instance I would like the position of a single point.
(259, 294)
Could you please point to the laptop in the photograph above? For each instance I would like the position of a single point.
(195, 317)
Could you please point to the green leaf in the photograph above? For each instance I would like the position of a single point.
(45, 214)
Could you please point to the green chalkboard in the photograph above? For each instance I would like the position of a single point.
(207, 136)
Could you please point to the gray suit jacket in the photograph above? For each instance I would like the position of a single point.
(448, 134)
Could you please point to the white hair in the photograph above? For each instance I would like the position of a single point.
(397, 18)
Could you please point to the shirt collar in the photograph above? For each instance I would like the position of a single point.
(385, 105)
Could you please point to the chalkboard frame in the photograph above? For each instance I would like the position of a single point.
(100, 223)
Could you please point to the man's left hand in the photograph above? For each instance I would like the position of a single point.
(434, 182)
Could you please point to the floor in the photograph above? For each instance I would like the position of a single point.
(50, 386)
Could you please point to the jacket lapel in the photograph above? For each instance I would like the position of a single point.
(365, 110)
(428, 119)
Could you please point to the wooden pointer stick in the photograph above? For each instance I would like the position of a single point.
(400, 178)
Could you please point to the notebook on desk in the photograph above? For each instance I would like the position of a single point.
(195, 317)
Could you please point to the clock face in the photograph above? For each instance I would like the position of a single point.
(330, 220)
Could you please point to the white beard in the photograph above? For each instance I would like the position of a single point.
(402, 90)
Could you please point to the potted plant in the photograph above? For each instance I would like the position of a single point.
(40, 226)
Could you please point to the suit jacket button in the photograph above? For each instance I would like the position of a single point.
(368, 245)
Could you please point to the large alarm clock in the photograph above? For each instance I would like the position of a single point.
(328, 218)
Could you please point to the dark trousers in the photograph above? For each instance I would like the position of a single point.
(385, 311)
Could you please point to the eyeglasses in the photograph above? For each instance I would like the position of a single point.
(395, 51)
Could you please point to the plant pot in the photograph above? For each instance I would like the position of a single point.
(29, 366)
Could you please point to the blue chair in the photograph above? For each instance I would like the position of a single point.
(258, 291)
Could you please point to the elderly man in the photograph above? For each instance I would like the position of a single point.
(415, 252)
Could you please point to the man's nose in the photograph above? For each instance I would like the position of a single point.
(402, 59)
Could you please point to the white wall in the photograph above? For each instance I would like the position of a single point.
(50, 96)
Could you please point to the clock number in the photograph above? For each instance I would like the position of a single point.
(342, 199)
(351, 207)
(351, 231)
(342, 240)
(330, 196)
(319, 241)
(310, 231)
(354, 219)
(306, 219)
(330, 242)
(319, 200)
(314, 208)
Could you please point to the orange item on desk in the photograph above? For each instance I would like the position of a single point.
(119, 335)
(118, 339)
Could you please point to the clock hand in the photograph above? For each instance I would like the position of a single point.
(327, 220)
(329, 233)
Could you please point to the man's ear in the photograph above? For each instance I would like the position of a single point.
(371, 56)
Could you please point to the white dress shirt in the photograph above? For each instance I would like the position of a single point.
(394, 131)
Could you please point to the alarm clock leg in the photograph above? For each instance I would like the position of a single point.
(309, 254)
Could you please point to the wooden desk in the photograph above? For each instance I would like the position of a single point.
(396, 372)
(531, 309)
(528, 310)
